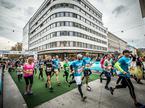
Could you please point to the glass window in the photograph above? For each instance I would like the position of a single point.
(58, 33)
(74, 44)
(71, 6)
(67, 23)
(74, 15)
(67, 14)
(71, 33)
(58, 24)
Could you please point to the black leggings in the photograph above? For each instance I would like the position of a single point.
(126, 82)
(79, 87)
(102, 74)
(29, 80)
(66, 74)
(108, 81)
(41, 72)
(119, 79)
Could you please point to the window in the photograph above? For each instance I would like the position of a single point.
(71, 6)
(74, 15)
(71, 33)
(58, 33)
(67, 14)
(67, 23)
(74, 44)
(58, 24)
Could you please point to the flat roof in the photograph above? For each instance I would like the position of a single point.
(116, 36)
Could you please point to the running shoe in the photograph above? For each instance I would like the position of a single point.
(45, 85)
(138, 105)
(142, 106)
(111, 90)
(84, 98)
(59, 84)
(25, 93)
(100, 80)
(88, 88)
(51, 89)
(106, 87)
(30, 93)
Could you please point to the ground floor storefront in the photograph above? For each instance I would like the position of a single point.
(69, 53)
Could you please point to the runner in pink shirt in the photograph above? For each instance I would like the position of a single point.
(28, 70)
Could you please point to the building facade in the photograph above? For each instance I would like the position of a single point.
(115, 44)
(25, 40)
(132, 49)
(67, 26)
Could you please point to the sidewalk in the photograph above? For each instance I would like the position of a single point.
(97, 98)
(12, 97)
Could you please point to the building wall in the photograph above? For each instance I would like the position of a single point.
(115, 43)
(25, 38)
(63, 24)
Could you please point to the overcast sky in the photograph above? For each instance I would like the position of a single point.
(118, 15)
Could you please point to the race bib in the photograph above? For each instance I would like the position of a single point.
(48, 69)
(30, 71)
(80, 70)
(67, 68)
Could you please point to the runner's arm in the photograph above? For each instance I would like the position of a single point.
(117, 66)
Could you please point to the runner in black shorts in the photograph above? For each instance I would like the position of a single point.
(49, 68)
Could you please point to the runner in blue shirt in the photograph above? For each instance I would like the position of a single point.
(77, 68)
(123, 66)
(87, 71)
(56, 63)
(87, 59)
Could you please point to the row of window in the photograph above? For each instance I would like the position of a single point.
(68, 44)
(69, 14)
(40, 13)
(67, 23)
(67, 33)
(91, 10)
(67, 6)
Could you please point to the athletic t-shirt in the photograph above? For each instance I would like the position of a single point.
(108, 65)
(124, 64)
(78, 67)
(19, 70)
(87, 60)
(29, 68)
(49, 65)
(66, 67)
(56, 63)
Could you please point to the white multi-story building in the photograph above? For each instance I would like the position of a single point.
(67, 26)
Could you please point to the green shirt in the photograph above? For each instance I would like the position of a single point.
(66, 67)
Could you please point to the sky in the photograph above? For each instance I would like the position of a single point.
(121, 17)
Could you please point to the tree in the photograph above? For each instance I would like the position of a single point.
(16, 47)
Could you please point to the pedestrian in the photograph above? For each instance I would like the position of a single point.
(66, 67)
(48, 70)
(41, 66)
(123, 66)
(102, 66)
(56, 67)
(139, 70)
(77, 68)
(19, 71)
(28, 71)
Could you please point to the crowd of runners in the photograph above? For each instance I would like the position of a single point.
(125, 66)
